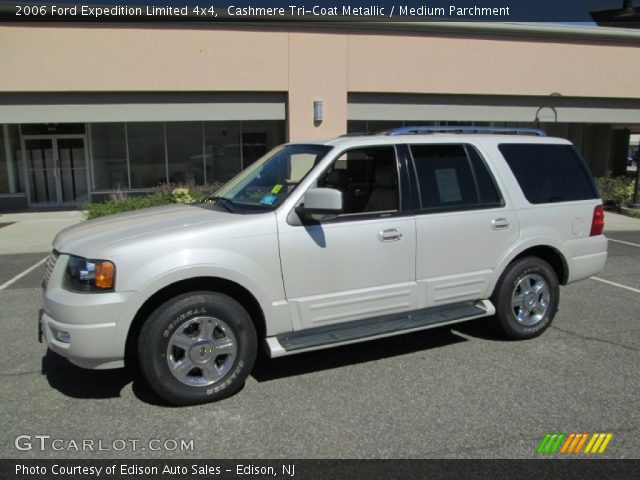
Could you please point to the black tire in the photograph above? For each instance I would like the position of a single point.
(536, 281)
(208, 324)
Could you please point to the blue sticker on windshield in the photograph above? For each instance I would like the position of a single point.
(268, 200)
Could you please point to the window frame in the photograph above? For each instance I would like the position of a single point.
(403, 188)
(467, 147)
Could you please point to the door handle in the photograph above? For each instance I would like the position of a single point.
(389, 235)
(499, 223)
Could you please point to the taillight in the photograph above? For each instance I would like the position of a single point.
(597, 224)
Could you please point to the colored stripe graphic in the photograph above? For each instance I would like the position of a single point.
(574, 442)
(598, 442)
(550, 442)
(582, 441)
(566, 445)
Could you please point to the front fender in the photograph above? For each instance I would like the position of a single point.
(263, 281)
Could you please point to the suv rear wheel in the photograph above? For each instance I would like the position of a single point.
(526, 299)
(197, 347)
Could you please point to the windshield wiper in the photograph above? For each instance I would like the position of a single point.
(225, 203)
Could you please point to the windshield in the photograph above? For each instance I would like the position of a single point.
(266, 183)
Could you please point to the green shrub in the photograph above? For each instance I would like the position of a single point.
(163, 194)
(95, 210)
(196, 192)
(615, 191)
(182, 195)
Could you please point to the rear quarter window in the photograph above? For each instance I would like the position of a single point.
(549, 173)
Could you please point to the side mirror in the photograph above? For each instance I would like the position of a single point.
(322, 201)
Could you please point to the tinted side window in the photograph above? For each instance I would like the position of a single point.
(487, 189)
(367, 178)
(449, 179)
(549, 173)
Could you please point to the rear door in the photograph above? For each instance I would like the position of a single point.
(464, 226)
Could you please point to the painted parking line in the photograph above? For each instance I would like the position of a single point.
(22, 274)
(624, 243)
(619, 285)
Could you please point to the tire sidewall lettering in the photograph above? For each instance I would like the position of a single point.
(181, 318)
(227, 382)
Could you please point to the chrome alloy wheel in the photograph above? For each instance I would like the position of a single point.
(530, 299)
(201, 351)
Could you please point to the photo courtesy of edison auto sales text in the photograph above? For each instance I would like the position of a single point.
(135, 469)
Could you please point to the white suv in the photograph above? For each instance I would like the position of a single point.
(327, 243)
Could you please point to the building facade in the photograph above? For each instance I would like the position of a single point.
(87, 112)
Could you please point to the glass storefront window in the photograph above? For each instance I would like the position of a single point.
(372, 126)
(258, 137)
(147, 158)
(222, 141)
(128, 156)
(184, 151)
(109, 154)
(232, 146)
(376, 126)
(4, 174)
(9, 160)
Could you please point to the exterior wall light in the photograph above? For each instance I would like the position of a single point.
(318, 113)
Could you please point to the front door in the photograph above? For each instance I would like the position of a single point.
(56, 170)
(360, 264)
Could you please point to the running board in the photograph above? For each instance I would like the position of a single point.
(377, 327)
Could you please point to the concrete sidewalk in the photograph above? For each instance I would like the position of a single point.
(614, 222)
(33, 232)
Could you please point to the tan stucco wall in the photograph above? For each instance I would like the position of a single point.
(318, 71)
(380, 63)
(124, 59)
(309, 65)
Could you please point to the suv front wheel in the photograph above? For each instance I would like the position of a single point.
(197, 347)
(526, 299)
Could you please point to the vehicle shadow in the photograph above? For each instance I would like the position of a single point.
(479, 329)
(80, 383)
(76, 382)
(267, 369)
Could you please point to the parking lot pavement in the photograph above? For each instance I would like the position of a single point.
(448, 392)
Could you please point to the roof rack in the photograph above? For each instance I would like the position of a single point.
(464, 129)
(356, 134)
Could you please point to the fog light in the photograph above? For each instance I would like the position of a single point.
(61, 335)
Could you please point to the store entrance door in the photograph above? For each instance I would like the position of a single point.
(56, 169)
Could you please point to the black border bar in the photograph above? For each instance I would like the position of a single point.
(608, 12)
(565, 468)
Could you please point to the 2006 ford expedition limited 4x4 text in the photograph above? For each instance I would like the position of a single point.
(327, 243)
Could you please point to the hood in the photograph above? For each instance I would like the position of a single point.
(93, 237)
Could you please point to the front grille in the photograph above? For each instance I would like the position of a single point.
(51, 262)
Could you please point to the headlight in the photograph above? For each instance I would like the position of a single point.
(84, 275)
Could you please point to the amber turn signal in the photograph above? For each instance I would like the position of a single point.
(105, 274)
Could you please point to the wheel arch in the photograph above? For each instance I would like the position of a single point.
(549, 253)
(215, 284)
